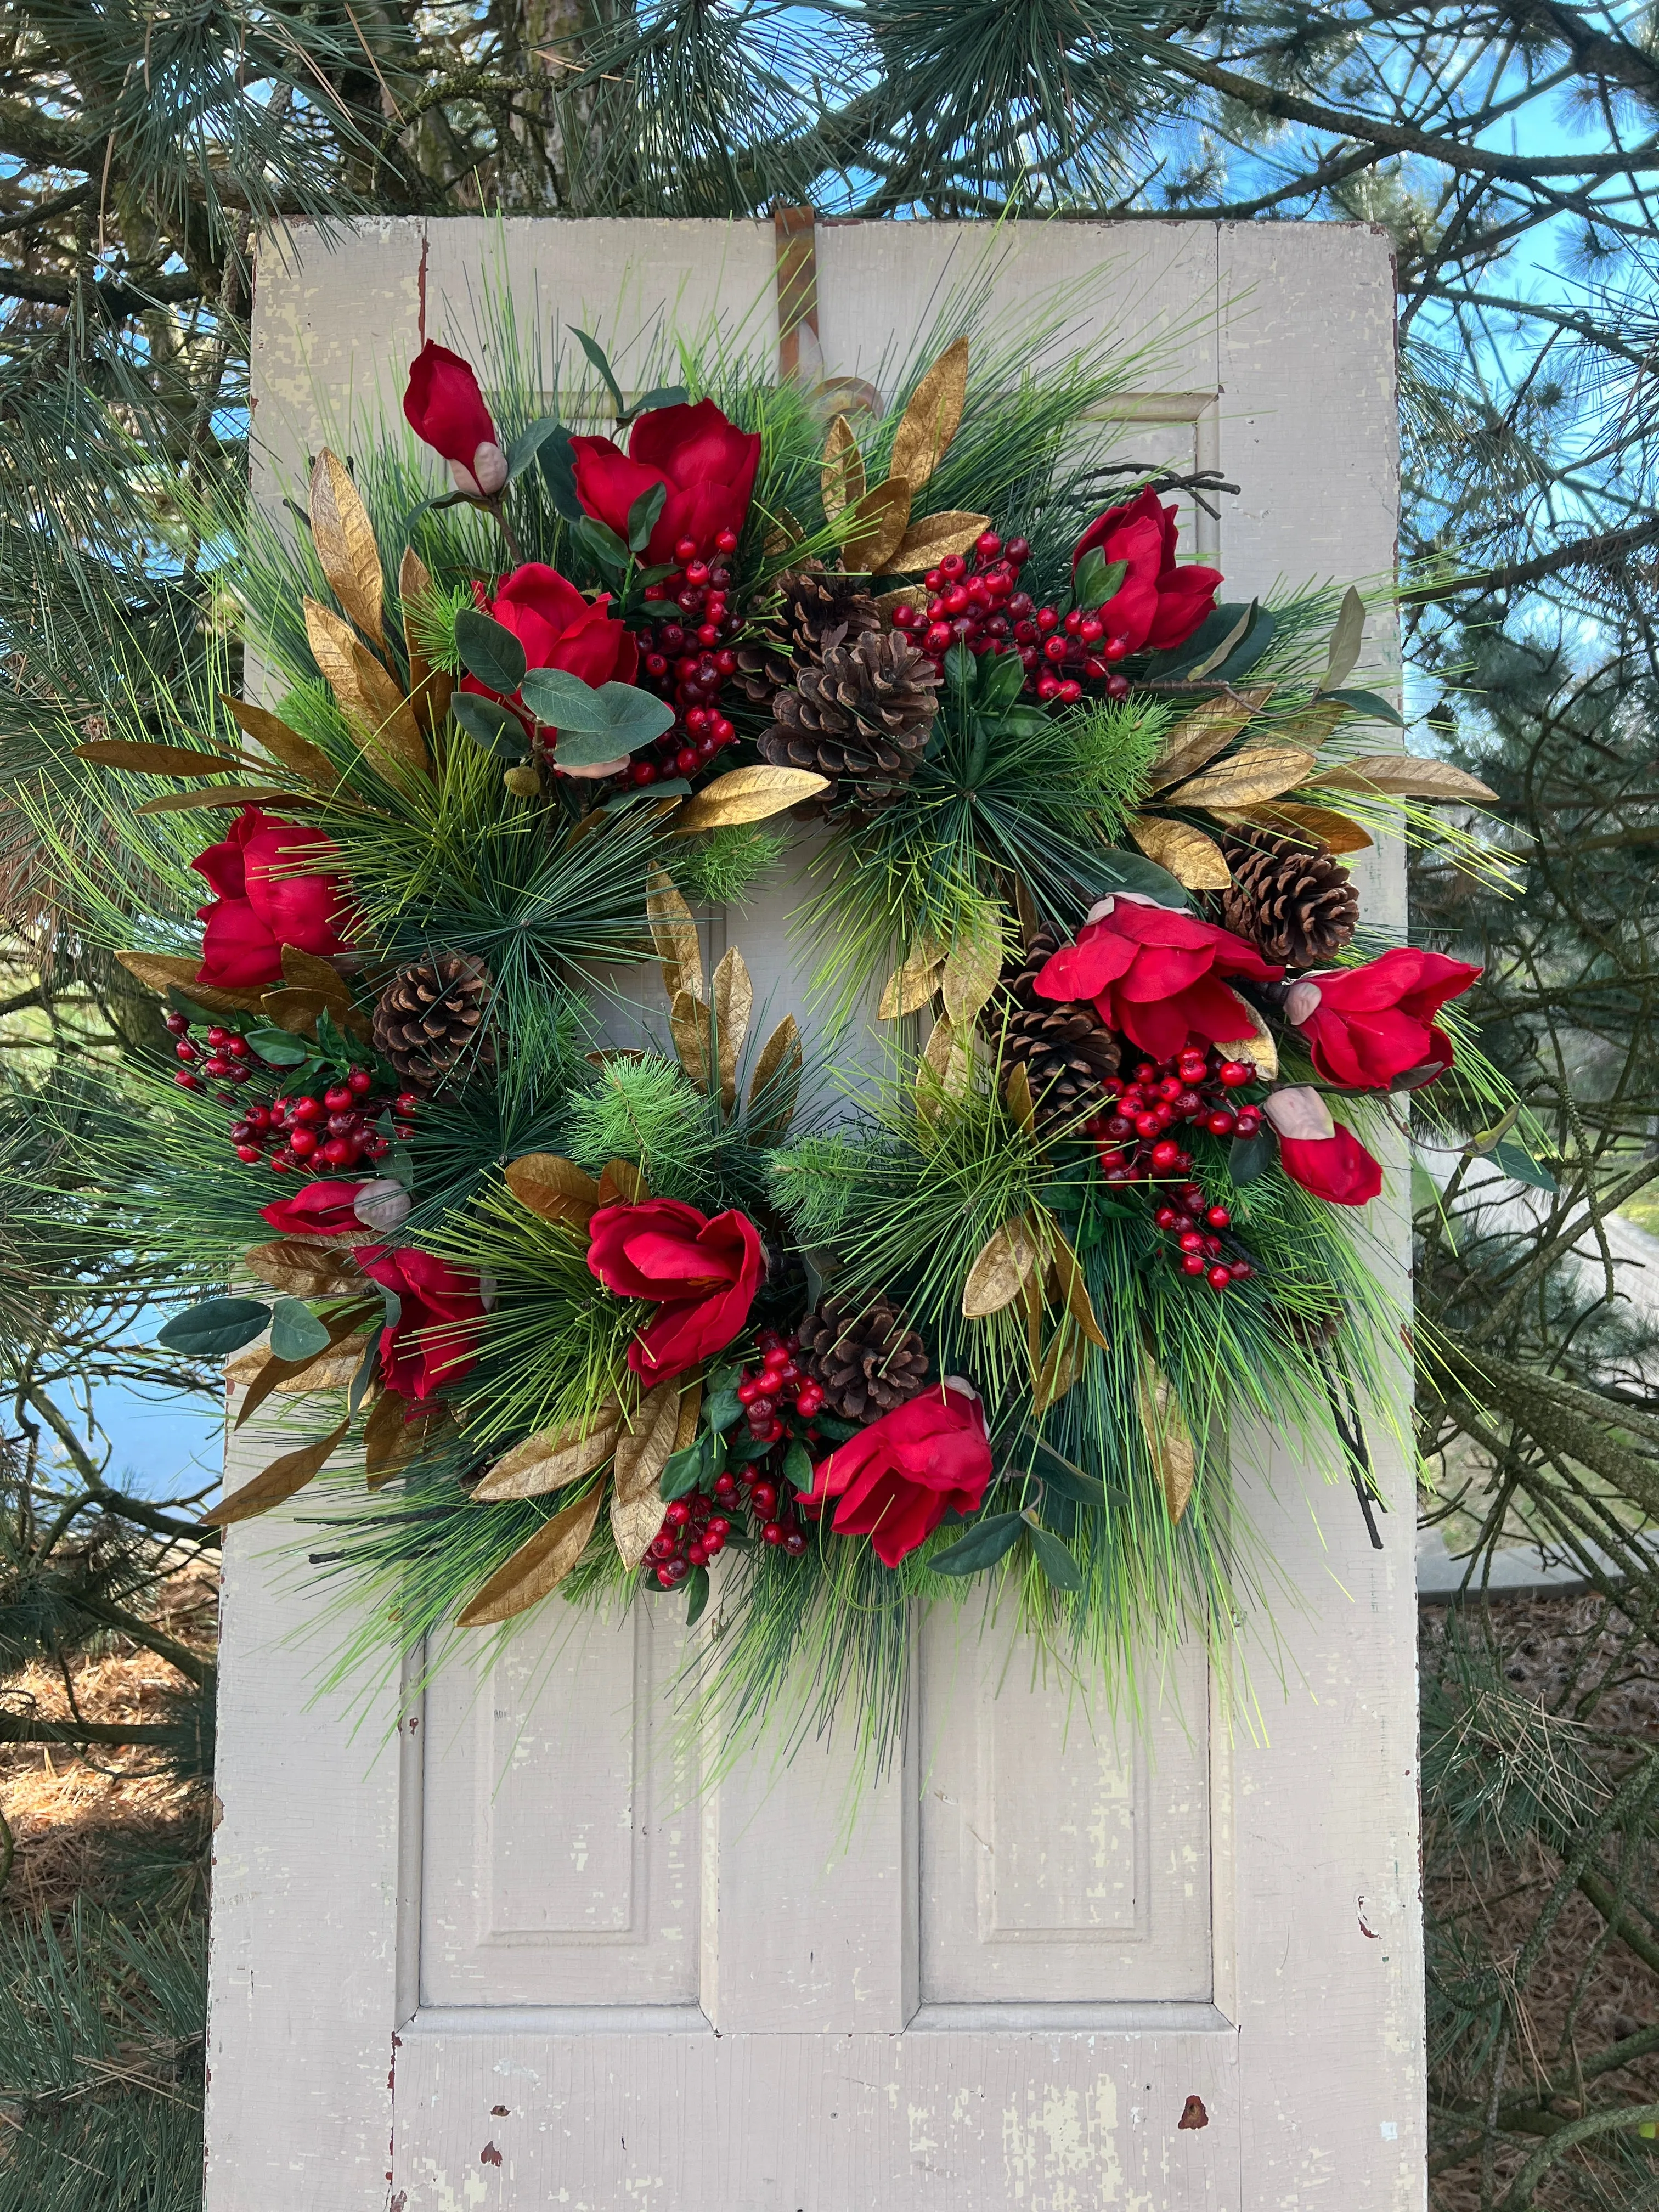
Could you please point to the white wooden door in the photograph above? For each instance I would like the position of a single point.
(522, 1957)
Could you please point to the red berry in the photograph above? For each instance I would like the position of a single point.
(726, 1486)
(178, 1023)
(697, 1554)
(1220, 1123)
(339, 1153)
(641, 772)
(764, 1497)
(1018, 551)
(249, 1153)
(1165, 1216)
(1191, 1240)
(186, 1081)
(685, 550)
(360, 1081)
(406, 1101)
(808, 1403)
(235, 1048)
(1236, 1074)
(726, 542)
(1219, 1218)
(1219, 1278)
(282, 1162)
(1249, 1122)
(676, 1515)
(186, 1051)
(1193, 1263)
(306, 1109)
(215, 1065)
(1165, 1157)
(772, 1533)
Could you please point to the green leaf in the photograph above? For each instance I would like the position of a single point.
(365, 1374)
(1001, 678)
(490, 724)
(596, 353)
(595, 722)
(601, 543)
(831, 1426)
(721, 1409)
(1372, 704)
(1055, 1561)
(1213, 630)
(489, 650)
(1066, 1480)
(982, 1546)
(697, 1594)
(527, 446)
(1096, 579)
(959, 668)
(644, 515)
(557, 463)
(278, 1048)
(661, 395)
(685, 1471)
(295, 1331)
(797, 1466)
(1517, 1162)
(215, 1329)
(1113, 869)
(563, 701)
(1249, 1157)
(1346, 632)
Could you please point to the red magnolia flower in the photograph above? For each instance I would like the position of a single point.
(706, 464)
(896, 1480)
(446, 411)
(1323, 1154)
(1367, 1025)
(703, 1274)
(316, 1209)
(1159, 604)
(1154, 973)
(559, 629)
(264, 903)
(427, 1347)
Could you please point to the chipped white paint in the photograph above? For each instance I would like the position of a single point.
(523, 1938)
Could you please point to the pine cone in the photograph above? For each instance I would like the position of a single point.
(864, 1356)
(1066, 1050)
(430, 1019)
(1294, 905)
(812, 602)
(862, 718)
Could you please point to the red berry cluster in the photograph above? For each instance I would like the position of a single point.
(335, 1132)
(692, 1534)
(984, 609)
(228, 1057)
(688, 659)
(781, 1377)
(1193, 1224)
(1132, 1137)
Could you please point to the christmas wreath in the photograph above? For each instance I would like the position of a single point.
(559, 1316)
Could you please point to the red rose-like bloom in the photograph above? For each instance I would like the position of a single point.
(706, 464)
(559, 629)
(445, 408)
(896, 1480)
(1337, 1167)
(427, 1345)
(264, 903)
(1367, 1025)
(317, 1209)
(1159, 604)
(702, 1273)
(1155, 974)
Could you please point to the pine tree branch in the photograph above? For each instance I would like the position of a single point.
(13, 1730)
(1608, 546)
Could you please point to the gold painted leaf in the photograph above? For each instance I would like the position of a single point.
(395, 1433)
(691, 1025)
(1030, 922)
(177, 971)
(155, 759)
(747, 795)
(554, 1188)
(1191, 858)
(645, 1445)
(1198, 735)
(1314, 724)
(220, 794)
(303, 1269)
(328, 1370)
(913, 983)
(308, 971)
(1058, 1371)
(1257, 1047)
(622, 1184)
(344, 538)
(943, 1071)
(553, 1457)
(383, 718)
(674, 933)
(932, 417)
(1244, 778)
(430, 689)
(1018, 1091)
(931, 536)
(841, 474)
(997, 1276)
(347, 1341)
(296, 754)
(971, 968)
(690, 1407)
(1074, 1289)
(279, 1480)
(1168, 1437)
(296, 1011)
(536, 1567)
(1405, 775)
(778, 1070)
(878, 525)
(732, 1001)
(1315, 826)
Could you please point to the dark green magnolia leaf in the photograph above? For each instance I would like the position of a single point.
(1249, 1157)
(527, 446)
(597, 355)
(671, 786)
(644, 515)
(278, 1048)
(1097, 580)
(365, 1374)
(661, 395)
(1372, 704)
(295, 1331)
(1213, 631)
(697, 1594)
(685, 1471)
(1067, 1481)
(982, 1546)
(601, 543)
(1002, 676)
(831, 1426)
(1113, 869)
(489, 650)
(557, 463)
(1055, 1561)
(489, 724)
(959, 667)
(721, 1408)
(392, 1303)
(1249, 649)
(215, 1329)
(797, 1466)
(1518, 1163)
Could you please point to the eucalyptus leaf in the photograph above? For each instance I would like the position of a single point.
(490, 724)
(644, 515)
(489, 650)
(982, 1546)
(216, 1328)
(1372, 704)
(563, 701)
(1055, 1561)
(295, 1331)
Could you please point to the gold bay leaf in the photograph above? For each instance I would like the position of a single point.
(296, 1011)
(691, 1025)
(1244, 778)
(943, 1071)
(395, 1433)
(1018, 1091)
(876, 525)
(296, 754)
(1007, 1258)
(331, 1368)
(382, 718)
(775, 1084)
(552, 1458)
(155, 759)
(536, 1567)
(930, 538)
(279, 1480)
(1200, 734)
(222, 794)
(177, 971)
(932, 417)
(308, 971)
(1192, 859)
(971, 968)
(746, 794)
(430, 689)
(645, 1444)
(1074, 1289)
(1169, 1440)
(1058, 1371)
(304, 1269)
(1255, 1045)
(622, 1184)
(1313, 826)
(912, 982)
(1311, 726)
(344, 538)
(674, 933)
(554, 1188)
(841, 474)
(1404, 775)
(685, 1431)
(732, 1001)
